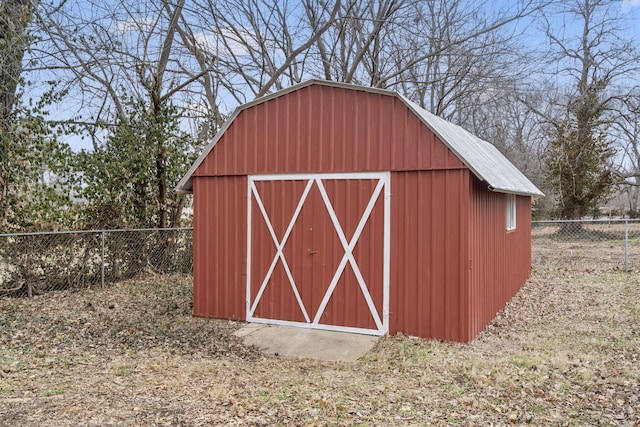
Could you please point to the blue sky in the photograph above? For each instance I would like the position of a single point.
(534, 38)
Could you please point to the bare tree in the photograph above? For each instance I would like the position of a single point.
(358, 46)
(461, 50)
(421, 49)
(204, 95)
(594, 65)
(499, 115)
(628, 126)
(103, 53)
(231, 51)
(119, 61)
(259, 46)
(457, 58)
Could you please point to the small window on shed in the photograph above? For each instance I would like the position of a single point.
(511, 212)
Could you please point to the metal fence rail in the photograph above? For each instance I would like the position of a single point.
(33, 263)
(587, 244)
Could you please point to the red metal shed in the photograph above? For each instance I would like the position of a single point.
(347, 208)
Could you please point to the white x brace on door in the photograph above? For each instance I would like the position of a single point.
(313, 313)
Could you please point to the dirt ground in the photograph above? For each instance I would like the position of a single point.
(565, 351)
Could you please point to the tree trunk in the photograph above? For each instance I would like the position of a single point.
(14, 17)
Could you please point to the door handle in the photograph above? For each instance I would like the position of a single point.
(310, 252)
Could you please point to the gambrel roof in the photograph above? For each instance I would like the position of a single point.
(486, 162)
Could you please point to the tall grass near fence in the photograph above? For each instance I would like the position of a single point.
(34, 263)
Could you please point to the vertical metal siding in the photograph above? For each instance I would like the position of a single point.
(324, 129)
(219, 242)
(428, 249)
(501, 260)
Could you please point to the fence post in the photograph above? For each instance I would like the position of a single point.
(102, 260)
(626, 245)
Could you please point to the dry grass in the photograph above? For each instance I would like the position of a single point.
(593, 246)
(565, 351)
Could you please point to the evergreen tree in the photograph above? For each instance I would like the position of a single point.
(129, 181)
(579, 158)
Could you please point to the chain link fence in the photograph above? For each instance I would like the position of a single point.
(595, 244)
(35, 263)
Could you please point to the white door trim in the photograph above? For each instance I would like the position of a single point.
(279, 247)
(382, 187)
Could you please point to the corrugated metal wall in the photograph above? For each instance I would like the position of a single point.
(428, 251)
(219, 247)
(325, 129)
(453, 266)
(500, 260)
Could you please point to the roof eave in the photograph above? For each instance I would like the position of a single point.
(184, 189)
(516, 192)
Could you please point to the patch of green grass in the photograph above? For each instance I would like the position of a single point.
(123, 371)
(6, 387)
(7, 359)
(54, 392)
(618, 277)
(523, 362)
(632, 240)
(409, 352)
(179, 288)
(12, 319)
(283, 395)
(539, 409)
(452, 421)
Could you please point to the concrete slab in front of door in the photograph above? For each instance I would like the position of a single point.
(307, 343)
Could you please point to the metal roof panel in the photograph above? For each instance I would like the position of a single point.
(483, 158)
